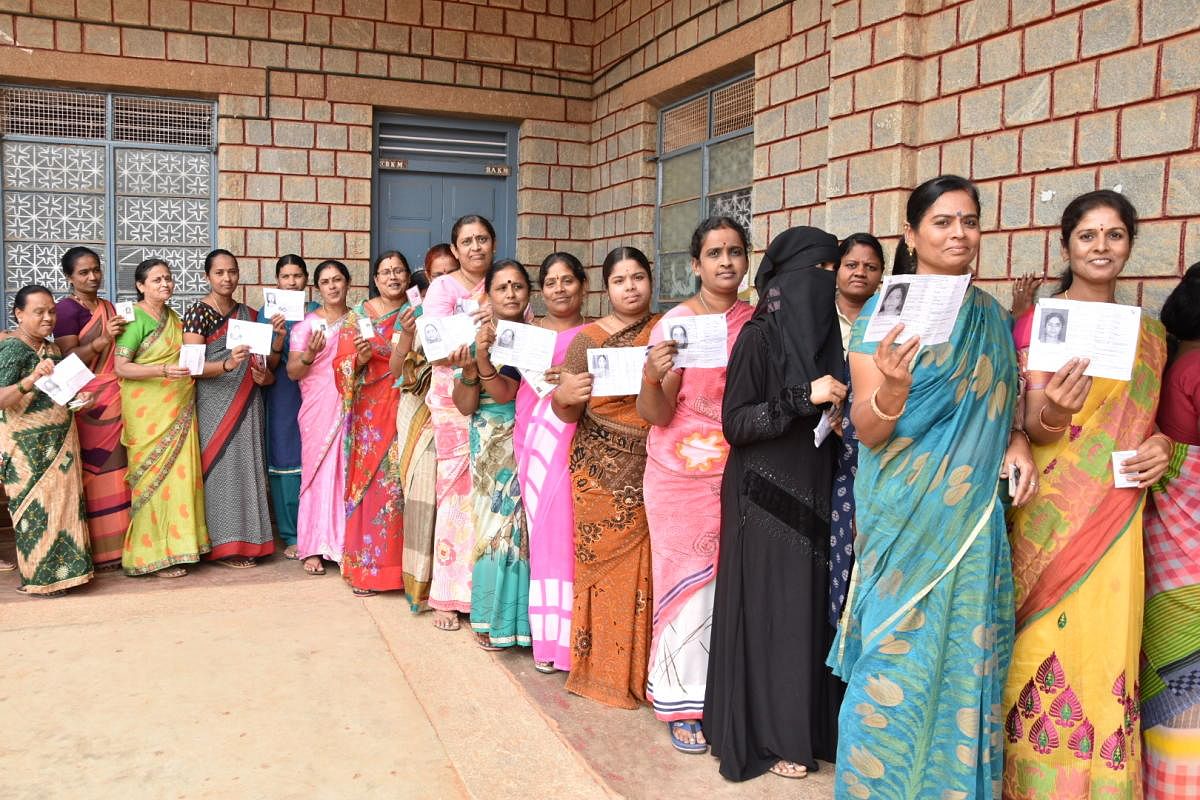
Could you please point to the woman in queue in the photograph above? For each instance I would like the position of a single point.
(229, 409)
(1071, 706)
(167, 525)
(1171, 633)
(282, 401)
(932, 583)
(88, 326)
(473, 242)
(374, 551)
(685, 459)
(315, 343)
(543, 443)
(859, 273)
(39, 452)
(486, 392)
(770, 702)
(611, 614)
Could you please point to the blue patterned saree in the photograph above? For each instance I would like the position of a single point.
(925, 643)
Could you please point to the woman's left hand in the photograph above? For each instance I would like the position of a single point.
(1151, 461)
(1020, 455)
(363, 346)
(258, 371)
(278, 325)
(485, 337)
(84, 400)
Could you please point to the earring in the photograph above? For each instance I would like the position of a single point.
(912, 253)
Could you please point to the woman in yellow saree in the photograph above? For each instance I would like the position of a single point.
(1071, 703)
(159, 413)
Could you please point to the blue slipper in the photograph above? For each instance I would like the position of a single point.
(682, 746)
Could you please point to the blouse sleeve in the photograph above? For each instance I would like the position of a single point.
(439, 300)
(67, 321)
(131, 338)
(194, 320)
(12, 365)
(747, 415)
(297, 338)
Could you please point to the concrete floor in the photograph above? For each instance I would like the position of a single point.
(268, 683)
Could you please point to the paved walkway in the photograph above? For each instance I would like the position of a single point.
(267, 683)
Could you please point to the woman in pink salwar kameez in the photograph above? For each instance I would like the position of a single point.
(321, 522)
(543, 445)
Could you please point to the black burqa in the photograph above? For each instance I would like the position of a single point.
(769, 694)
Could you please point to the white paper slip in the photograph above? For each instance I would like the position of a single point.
(1119, 479)
(257, 335)
(320, 325)
(441, 336)
(928, 305)
(125, 309)
(526, 347)
(1105, 333)
(414, 296)
(466, 305)
(537, 381)
(69, 376)
(366, 329)
(191, 357)
(286, 301)
(701, 340)
(823, 429)
(616, 371)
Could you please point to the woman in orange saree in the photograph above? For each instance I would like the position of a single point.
(88, 326)
(613, 596)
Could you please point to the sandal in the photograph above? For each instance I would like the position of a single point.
(683, 746)
(789, 769)
(7, 566)
(313, 565)
(365, 592)
(485, 643)
(446, 620)
(237, 562)
(545, 667)
(289, 552)
(171, 572)
(46, 595)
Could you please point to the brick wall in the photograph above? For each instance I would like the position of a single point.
(856, 101)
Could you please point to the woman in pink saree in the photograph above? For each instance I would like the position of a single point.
(685, 459)
(543, 445)
(321, 524)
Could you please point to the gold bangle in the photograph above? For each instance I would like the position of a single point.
(1050, 428)
(483, 377)
(879, 412)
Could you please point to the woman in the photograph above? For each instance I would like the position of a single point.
(473, 244)
(610, 617)
(859, 273)
(542, 442)
(88, 326)
(316, 341)
(1053, 328)
(167, 526)
(374, 549)
(39, 452)
(893, 301)
(1171, 636)
(1071, 703)
(500, 575)
(282, 400)
(927, 632)
(416, 461)
(770, 702)
(439, 261)
(229, 409)
(685, 458)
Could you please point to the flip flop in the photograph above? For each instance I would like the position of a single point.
(682, 746)
(365, 592)
(289, 552)
(443, 624)
(778, 769)
(485, 643)
(7, 566)
(42, 595)
(170, 572)
(318, 569)
(545, 667)
(243, 563)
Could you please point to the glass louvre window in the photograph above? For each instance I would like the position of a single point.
(130, 177)
(705, 168)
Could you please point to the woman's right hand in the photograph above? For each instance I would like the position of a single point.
(660, 360)
(112, 329)
(827, 389)
(43, 368)
(894, 361)
(461, 357)
(1067, 390)
(408, 322)
(574, 388)
(237, 356)
(316, 343)
(174, 372)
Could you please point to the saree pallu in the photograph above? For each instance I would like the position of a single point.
(500, 576)
(167, 524)
(613, 595)
(105, 463)
(39, 462)
(927, 633)
(542, 443)
(233, 425)
(682, 486)
(454, 533)
(841, 511)
(1170, 671)
(416, 469)
(374, 551)
(1072, 702)
(321, 525)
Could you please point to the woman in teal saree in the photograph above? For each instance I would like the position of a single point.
(928, 628)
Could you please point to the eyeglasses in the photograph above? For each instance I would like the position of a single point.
(390, 273)
(482, 240)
